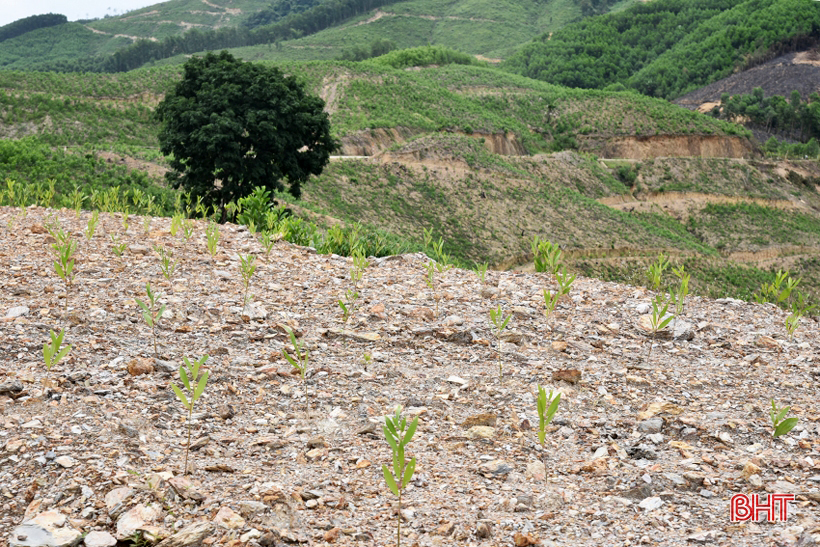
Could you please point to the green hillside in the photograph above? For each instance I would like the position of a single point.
(308, 30)
(665, 48)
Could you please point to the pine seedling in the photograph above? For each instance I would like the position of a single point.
(655, 272)
(116, 246)
(188, 374)
(65, 248)
(398, 435)
(499, 323)
(481, 271)
(126, 214)
(299, 361)
(683, 289)
(799, 310)
(52, 352)
(152, 314)
(247, 267)
(546, 255)
(77, 198)
(547, 406)
(660, 317)
(166, 262)
(433, 267)
(781, 426)
(212, 235)
(92, 225)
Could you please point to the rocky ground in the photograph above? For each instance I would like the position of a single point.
(640, 452)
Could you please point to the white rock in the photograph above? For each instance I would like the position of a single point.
(650, 504)
(17, 311)
(99, 539)
(66, 461)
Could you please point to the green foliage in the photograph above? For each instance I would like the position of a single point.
(781, 426)
(547, 406)
(665, 48)
(683, 288)
(52, 353)
(299, 361)
(247, 267)
(117, 247)
(212, 236)
(64, 248)
(546, 256)
(92, 225)
(398, 435)
(189, 375)
(243, 124)
(377, 48)
(779, 290)
(791, 117)
(499, 322)
(425, 56)
(27, 24)
(350, 302)
(564, 281)
(166, 261)
(655, 272)
(660, 317)
(151, 313)
(481, 271)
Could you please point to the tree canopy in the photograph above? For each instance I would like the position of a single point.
(232, 125)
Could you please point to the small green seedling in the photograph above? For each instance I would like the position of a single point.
(398, 435)
(212, 235)
(77, 197)
(434, 267)
(247, 267)
(152, 314)
(683, 289)
(800, 308)
(268, 241)
(547, 406)
(565, 282)
(176, 224)
(188, 229)
(116, 246)
(65, 248)
(126, 214)
(188, 374)
(52, 353)
(499, 323)
(546, 255)
(299, 361)
(655, 272)
(350, 303)
(92, 225)
(775, 292)
(166, 262)
(660, 317)
(781, 426)
(481, 271)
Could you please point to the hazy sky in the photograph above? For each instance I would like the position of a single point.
(11, 10)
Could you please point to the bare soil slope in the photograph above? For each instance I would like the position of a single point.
(642, 450)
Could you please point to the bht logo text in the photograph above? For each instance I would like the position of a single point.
(751, 507)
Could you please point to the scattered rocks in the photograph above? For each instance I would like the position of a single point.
(483, 419)
(99, 539)
(17, 311)
(570, 375)
(191, 535)
(47, 529)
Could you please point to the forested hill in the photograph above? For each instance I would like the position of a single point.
(292, 30)
(665, 48)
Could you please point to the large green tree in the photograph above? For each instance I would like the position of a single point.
(232, 125)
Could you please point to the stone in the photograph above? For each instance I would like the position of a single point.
(559, 345)
(452, 379)
(228, 519)
(652, 425)
(570, 375)
(535, 471)
(136, 518)
(495, 469)
(254, 311)
(483, 530)
(116, 500)
(138, 367)
(249, 508)
(253, 533)
(445, 529)
(137, 249)
(65, 461)
(99, 539)
(480, 432)
(767, 342)
(191, 535)
(184, 488)
(650, 504)
(453, 321)
(485, 418)
(48, 529)
(17, 311)
(425, 314)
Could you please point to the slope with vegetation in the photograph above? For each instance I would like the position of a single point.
(666, 48)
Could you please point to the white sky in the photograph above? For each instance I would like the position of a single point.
(11, 10)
